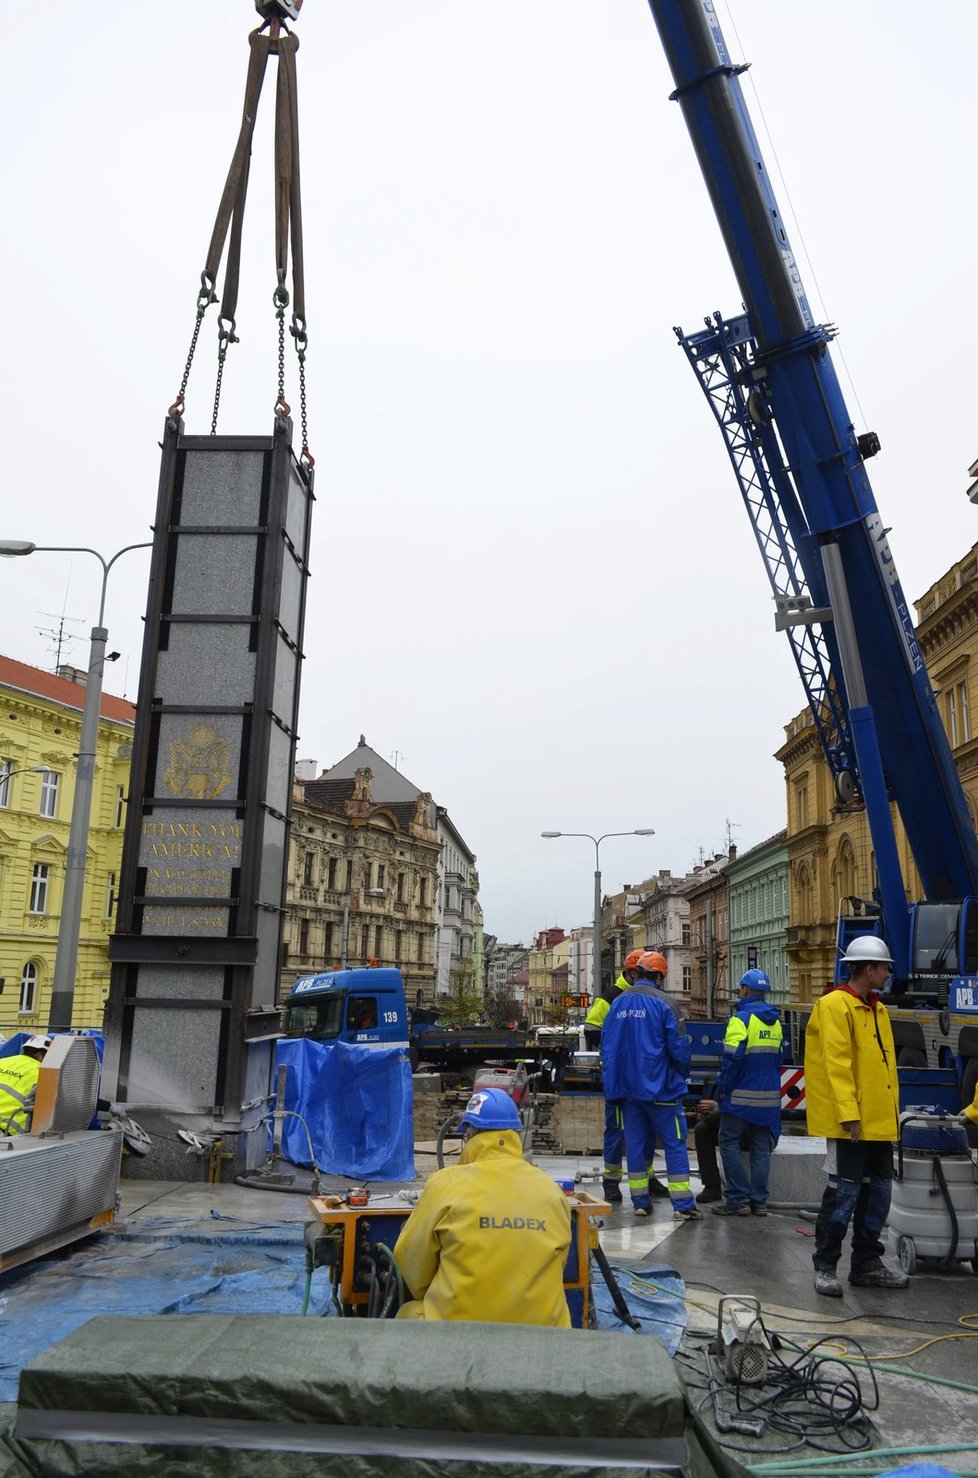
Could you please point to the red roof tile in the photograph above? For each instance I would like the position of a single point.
(40, 684)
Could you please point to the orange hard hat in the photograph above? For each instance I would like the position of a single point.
(654, 963)
(630, 962)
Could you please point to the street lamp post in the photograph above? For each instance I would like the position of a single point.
(641, 831)
(69, 928)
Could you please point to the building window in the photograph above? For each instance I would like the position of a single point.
(28, 990)
(331, 874)
(687, 979)
(380, 875)
(801, 806)
(5, 768)
(397, 947)
(423, 893)
(39, 888)
(328, 940)
(308, 868)
(958, 717)
(686, 932)
(378, 941)
(110, 896)
(965, 715)
(49, 793)
(400, 887)
(120, 805)
(303, 936)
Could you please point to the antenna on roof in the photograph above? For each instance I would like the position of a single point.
(398, 754)
(58, 638)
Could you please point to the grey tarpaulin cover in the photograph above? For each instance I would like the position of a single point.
(259, 1396)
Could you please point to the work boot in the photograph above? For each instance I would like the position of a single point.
(826, 1282)
(694, 1214)
(656, 1188)
(724, 1210)
(612, 1191)
(758, 1208)
(709, 1193)
(879, 1276)
(641, 1206)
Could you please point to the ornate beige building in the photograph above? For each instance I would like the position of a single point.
(831, 865)
(362, 884)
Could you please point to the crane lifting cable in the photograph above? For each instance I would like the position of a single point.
(272, 37)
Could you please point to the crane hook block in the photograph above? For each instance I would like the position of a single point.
(278, 10)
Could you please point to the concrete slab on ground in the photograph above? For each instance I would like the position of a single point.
(906, 1334)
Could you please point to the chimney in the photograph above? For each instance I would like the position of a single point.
(305, 769)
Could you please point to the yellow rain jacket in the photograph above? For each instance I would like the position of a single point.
(971, 1109)
(488, 1239)
(850, 1068)
(601, 1007)
(18, 1080)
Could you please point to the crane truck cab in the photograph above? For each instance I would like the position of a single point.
(363, 1007)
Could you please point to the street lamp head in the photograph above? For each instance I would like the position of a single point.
(645, 831)
(551, 833)
(11, 547)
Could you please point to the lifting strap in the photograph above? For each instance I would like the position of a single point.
(229, 222)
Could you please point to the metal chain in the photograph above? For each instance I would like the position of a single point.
(205, 297)
(217, 391)
(280, 297)
(301, 338)
(307, 459)
(225, 336)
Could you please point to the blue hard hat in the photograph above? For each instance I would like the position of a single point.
(491, 1108)
(755, 980)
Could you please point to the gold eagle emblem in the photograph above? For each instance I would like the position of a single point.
(200, 764)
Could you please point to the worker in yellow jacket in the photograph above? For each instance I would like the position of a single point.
(18, 1083)
(971, 1112)
(853, 1098)
(488, 1239)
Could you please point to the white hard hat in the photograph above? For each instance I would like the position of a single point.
(39, 1044)
(869, 949)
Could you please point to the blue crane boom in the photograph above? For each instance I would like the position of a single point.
(769, 378)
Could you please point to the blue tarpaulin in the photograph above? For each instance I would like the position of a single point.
(158, 1267)
(357, 1105)
(655, 1297)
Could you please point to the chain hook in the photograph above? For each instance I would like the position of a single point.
(225, 335)
(207, 295)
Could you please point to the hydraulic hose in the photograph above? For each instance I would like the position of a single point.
(948, 1257)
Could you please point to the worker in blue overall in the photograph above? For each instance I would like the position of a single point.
(749, 1097)
(645, 1063)
(614, 1129)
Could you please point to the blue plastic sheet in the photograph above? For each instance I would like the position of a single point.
(655, 1296)
(357, 1105)
(158, 1268)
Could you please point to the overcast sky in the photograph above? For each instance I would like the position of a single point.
(534, 582)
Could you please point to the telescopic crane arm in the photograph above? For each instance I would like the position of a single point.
(770, 380)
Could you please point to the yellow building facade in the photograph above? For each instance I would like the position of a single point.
(831, 864)
(40, 734)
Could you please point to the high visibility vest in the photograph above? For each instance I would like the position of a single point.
(18, 1082)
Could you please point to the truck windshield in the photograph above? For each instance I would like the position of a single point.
(315, 1016)
(936, 938)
